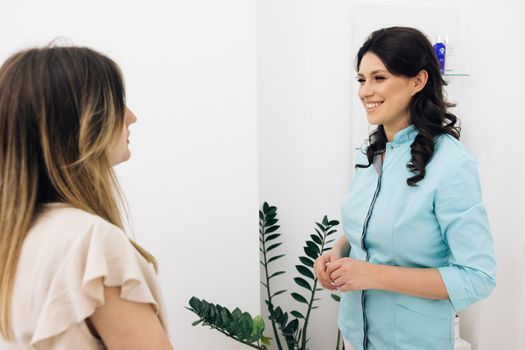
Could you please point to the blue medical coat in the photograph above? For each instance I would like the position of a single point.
(441, 223)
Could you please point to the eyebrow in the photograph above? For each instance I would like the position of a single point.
(374, 72)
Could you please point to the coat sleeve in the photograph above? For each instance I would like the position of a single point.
(471, 272)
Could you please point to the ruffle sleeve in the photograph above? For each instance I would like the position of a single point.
(102, 257)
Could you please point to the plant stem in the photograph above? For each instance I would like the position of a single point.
(310, 304)
(338, 339)
(279, 346)
(241, 341)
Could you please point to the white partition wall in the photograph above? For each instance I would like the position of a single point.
(190, 70)
(304, 80)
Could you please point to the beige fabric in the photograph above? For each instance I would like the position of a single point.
(67, 259)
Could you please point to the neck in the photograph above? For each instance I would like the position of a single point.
(392, 129)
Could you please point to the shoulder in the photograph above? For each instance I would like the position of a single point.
(66, 214)
(64, 227)
(454, 168)
(451, 152)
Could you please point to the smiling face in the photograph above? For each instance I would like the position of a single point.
(385, 96)
(119, 151)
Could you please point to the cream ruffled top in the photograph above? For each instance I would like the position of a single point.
(67, 258)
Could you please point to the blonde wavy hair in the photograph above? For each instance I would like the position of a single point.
(60, 110)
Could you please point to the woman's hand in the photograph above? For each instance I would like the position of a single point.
(348, 274)
(320, 267)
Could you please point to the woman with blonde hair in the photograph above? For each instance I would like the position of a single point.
(70, 278)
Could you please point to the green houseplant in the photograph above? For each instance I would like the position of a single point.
(290, 329)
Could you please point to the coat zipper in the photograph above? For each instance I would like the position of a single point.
(363, 246)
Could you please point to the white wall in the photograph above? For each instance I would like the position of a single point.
(190, 69)
(309, 122)
(304, 77)
(495, 128)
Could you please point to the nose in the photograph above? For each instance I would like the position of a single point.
(366, 90)
(130, 117)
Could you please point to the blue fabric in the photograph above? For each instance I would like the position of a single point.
(441, 223)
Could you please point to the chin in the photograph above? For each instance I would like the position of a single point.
(373, 121)
(123, 158)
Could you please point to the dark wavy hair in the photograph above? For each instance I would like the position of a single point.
(405, 52)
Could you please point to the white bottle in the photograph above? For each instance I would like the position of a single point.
(450, 59)
(459, 344)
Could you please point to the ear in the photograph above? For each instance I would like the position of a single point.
(419, 81)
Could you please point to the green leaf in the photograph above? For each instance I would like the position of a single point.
(204, 309)
(291, 327)
(273, 258)
(271, 229)
(273, 246)
(236, 314)
(195, 303)
(297, 314)
(278, 293)
(258, 326)
(311, 253)
(276, 274)
(306, 261)
(305, 271)
(266, 341)
(316, 239)
(325, 221)
(266, 207)
(321, 227)
(246, 326)
(330, 232)
(271, 222)
(277, 313)
(213, 312)
(270, 237)
(283, 319)
(333, 223)
(299, 298)
(313, 246)
(226, 317)
(261, 215)
(302, 282)
(197, 322)
(335, 297)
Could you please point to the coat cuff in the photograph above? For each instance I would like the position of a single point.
(458, 293)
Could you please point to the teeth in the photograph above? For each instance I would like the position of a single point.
(372, 105)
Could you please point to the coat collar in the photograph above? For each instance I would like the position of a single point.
(405, 135)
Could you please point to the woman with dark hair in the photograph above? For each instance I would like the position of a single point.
(70, 278)
(417, 246)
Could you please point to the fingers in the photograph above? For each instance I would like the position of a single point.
(334, 265)
(335, 275)
(320, 271)
(345, 287)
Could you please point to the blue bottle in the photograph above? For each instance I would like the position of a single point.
(440, 49)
